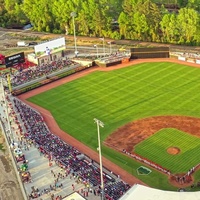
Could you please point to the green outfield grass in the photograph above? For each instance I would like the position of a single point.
(121, 96)
(155, 149)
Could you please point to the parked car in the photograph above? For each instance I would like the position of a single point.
(32, 43)
(22, 44)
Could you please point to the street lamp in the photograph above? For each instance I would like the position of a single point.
(110, 43)
(73, 15)
(103, 39)
(100, 123)
(95, 46)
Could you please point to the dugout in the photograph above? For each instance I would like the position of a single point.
(151, 52)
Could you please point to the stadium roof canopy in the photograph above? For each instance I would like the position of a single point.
(140, 192)
(74, 196)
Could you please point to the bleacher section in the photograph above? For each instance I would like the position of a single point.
(64, 155)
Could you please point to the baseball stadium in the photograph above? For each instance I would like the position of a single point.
(145, 110)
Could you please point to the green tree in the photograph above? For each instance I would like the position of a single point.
(94, 18)
(13, 12)
(84, 19)
(165, 27)
(10, 5)
(115, 8)
(40, 15)
(61, 12)
(188, 21)
(126, 19)
(140, 26)
(169, 28)
(182, 3)
(195, 4)
(123, 24)
(153, 16)
(3, 13)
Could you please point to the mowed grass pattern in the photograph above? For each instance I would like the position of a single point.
(155, 148)
(121, 96)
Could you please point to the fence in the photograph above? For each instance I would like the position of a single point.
(151, 52)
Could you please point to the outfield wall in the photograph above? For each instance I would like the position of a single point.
(188, 59)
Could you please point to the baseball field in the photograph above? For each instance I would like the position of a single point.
(134, 94)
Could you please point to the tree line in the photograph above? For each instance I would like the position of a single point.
(143, 20)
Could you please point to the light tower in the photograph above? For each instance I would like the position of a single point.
(100, 123)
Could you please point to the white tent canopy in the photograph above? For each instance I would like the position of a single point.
(74, 196)
(140, 192)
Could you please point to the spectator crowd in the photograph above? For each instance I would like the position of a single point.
(74, 163)
(22, 76)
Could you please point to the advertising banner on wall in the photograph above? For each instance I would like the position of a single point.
(181, 58)
(49, 47)
(15, 59)
(191, 60)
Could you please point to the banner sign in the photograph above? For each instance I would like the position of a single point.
(181, 58)
(49, 47)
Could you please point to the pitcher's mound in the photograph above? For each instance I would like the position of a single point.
(173, 150)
